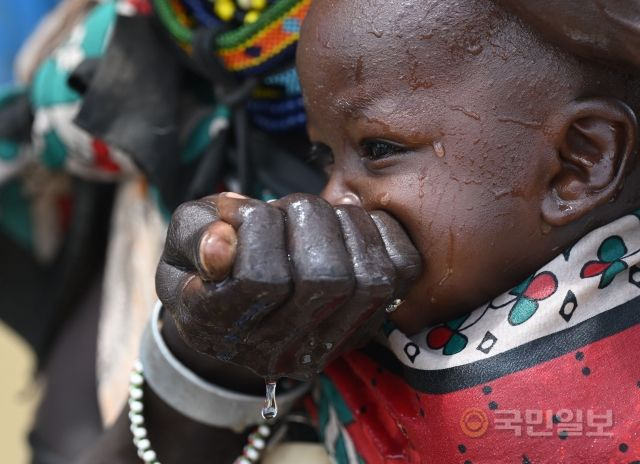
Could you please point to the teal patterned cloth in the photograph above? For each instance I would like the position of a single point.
(59, 147)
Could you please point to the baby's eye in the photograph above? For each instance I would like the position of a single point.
(380, 149)
(321, 156)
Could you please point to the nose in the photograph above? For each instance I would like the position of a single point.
(337, 193)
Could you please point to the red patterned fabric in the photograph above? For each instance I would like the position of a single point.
(546, 373)
(396, 423)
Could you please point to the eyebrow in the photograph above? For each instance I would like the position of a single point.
(354, 104)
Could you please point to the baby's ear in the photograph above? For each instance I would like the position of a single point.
(596, 142)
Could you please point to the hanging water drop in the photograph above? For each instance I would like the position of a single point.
(270, 409)
(439, 149)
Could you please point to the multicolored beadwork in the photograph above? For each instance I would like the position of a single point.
(260, 35)
(264, 32)
(271, 38)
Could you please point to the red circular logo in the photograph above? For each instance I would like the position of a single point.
(474, 422)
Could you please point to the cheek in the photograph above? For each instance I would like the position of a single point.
(470, 249)
(470, 236)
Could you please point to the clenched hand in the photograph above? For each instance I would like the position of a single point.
(282, 287)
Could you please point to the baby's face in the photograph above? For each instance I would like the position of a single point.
(433, 113)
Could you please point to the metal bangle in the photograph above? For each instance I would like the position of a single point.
(196, 398)
(251, 453)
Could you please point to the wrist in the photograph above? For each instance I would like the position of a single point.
(192, 395)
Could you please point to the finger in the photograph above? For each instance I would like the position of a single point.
(403, 254)
(180, 292)
(217, 254)
(322, 273)
(317, 339)
(188, 223)
(170, 282)
(260, 278)
(375, 277)
(373, 269)
(261, 255)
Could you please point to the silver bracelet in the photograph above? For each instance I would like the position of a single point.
(204, 402)
(251, 453)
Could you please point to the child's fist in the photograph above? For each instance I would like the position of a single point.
(281, 287)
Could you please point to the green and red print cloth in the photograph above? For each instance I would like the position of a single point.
(546, 373)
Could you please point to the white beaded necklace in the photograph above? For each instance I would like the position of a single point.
(251, 453)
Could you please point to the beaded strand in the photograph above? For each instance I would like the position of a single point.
(251, 453)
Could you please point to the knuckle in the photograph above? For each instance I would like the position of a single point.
(303, 198)
(262, 275)
(304, 205)
(253, 211)
(347, 210)
(329, 286)
(195, 214)
(376, 275)
(331, 269)
(259, 214)
(411, 270)
(377, 286)
(192, 212)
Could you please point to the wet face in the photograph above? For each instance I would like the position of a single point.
(435, 113)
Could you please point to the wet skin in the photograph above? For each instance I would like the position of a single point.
(303, 282)
(493, 151)
(601, 29)
(430, 125)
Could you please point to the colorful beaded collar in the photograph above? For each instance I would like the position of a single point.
(263, 34)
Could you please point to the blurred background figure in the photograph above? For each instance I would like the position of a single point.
(118, 111)
(17, 20)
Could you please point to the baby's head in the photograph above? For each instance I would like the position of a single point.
(494, 148)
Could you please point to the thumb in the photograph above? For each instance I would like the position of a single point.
(217, 251)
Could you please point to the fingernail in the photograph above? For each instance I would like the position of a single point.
(234, 195)
(217, 250)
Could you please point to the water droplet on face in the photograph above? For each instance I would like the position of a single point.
(445, 277)
(501, 193)
(306, 359)
(328, 346)
(474, 49)
(439, 149)
(270, 409)
(384, 199)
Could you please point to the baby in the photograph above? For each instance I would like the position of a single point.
(482, 184)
